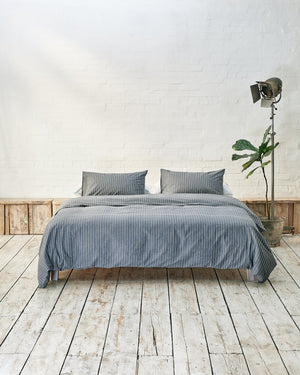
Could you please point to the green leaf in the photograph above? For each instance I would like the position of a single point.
(264, 164)
(243, 144)
(254, 157)
(266, 133)
(253, 170)
(263, 147)
(269, 149)
(236, 156)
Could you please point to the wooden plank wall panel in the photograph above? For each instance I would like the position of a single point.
(56, 203)
(21, 216)
(288, 209)
(258, 208)
(18, 219)
(282, 210)
(39, 216)
(297, 217)
(2, 219)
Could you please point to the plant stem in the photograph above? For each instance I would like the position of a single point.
(267, 188)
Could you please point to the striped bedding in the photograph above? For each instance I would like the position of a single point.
(160, 230)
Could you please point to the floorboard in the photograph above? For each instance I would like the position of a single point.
(147, 321)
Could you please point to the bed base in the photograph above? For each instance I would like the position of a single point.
(250, 277)
(54, 275)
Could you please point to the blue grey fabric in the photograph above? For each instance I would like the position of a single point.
(159, 230)
(191, 182)
(113, 183)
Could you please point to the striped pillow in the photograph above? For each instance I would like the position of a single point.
(191, 182)
(113, 183)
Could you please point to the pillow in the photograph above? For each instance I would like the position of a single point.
(113, 183)
(191, 182)
(155, 189)
(226, 190)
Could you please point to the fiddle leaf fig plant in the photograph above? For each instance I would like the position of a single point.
(258, 155)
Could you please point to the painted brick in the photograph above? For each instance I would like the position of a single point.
(143, 85)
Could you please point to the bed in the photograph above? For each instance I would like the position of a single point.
(171, 230)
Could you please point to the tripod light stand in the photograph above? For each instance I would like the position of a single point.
(268, 91)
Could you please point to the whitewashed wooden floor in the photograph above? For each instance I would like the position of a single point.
(147, 321)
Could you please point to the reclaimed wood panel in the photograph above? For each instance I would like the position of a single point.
(297, 217)
(282, 210)
(258, 208)
(17, 219)
(39, 216)
(289, 209)
(2, 231)
(56, 203)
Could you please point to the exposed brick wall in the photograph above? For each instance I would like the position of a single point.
(131, 85)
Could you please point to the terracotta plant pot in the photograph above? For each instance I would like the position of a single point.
(274, 229)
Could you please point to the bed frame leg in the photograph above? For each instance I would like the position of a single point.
(54, 275)
(250, 277)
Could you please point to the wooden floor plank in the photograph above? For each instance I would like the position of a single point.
(279, 323)
(121, 346)
(17, 298)
(292, 361)
(81, 365)
(229, 364)
(53, 344)
(190, 350)
(260, 352)
(182, 291)
(286, 288)
(11, 364)
(155, 331)
(11, 248)
(122, 334)
(154, 365)
(293, 242)
(296, 319)
(118, 364)
(128, 294)
(290, 260)
(220, 333)
(29, 325)
(4, 238)
(13, 270)
(90, 335)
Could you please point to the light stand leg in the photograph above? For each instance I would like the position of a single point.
(272, 160)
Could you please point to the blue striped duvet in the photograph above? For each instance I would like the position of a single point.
(160, 230)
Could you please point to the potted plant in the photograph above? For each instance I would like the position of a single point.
(272, 224)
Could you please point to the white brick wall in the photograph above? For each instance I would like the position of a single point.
(131, 85)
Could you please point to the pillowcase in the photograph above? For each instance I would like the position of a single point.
(113, 183)
(191, 182)
(226, 190)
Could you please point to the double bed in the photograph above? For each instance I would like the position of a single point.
(154, 230)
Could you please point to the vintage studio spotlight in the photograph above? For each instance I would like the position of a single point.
(269, 92)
